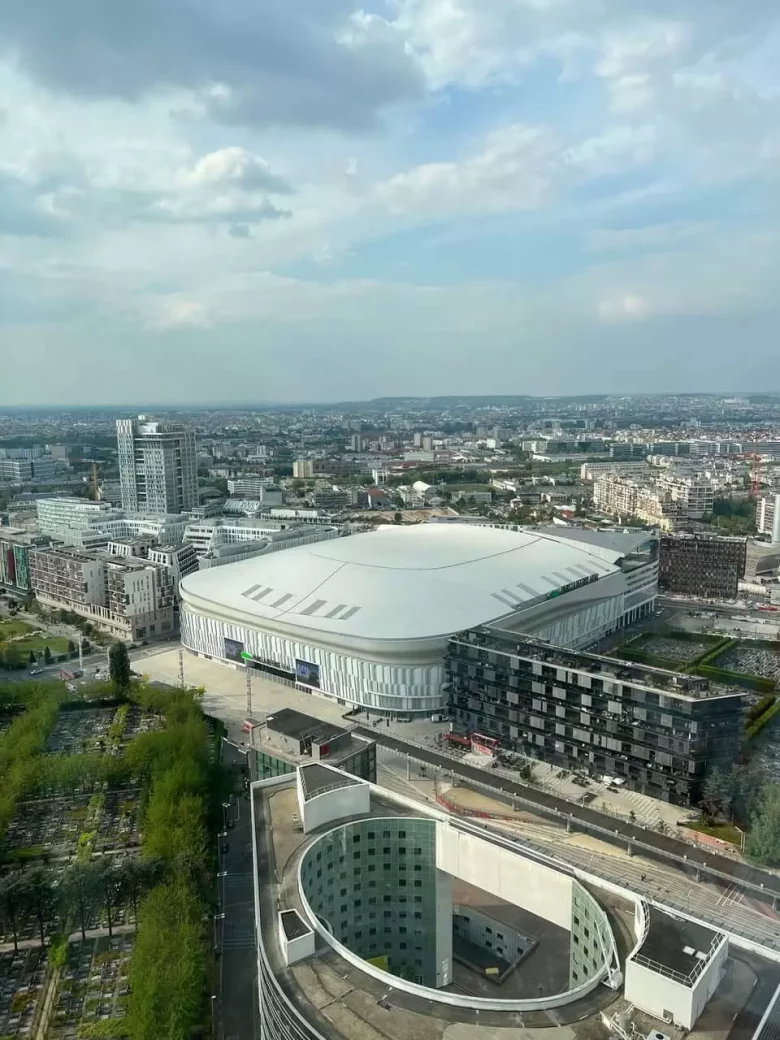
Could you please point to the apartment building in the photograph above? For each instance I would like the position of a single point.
(157, 466)
(668, 503)
(702, 565)
(694, 492)
(591, 471)
(129, 598)
(261, 488)
(303, 469)
(658, 732)
(15, 546)
(768, 516)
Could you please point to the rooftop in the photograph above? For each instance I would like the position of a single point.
(316, 779)
(416, 582)
(676, 684)
(295, 724)
(338, 999)
(675, 946)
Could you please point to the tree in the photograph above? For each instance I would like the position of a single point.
(71, 647)
(397, 518)
(80, 889)
(763, 841)
(718, 793)
(47, 654)
(119, 666)
(11, 904)
(33, 658)
(39, 898)
(138, 876)
(110, 883)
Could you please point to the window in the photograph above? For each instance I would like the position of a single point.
(385, 834)
(402, 835)
(355, 839)
(387, 851)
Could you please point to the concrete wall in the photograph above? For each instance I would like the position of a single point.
(294, 950)
(490, 934)
(444, 960)
(505, 874)
(670, 1000)
(330, 806)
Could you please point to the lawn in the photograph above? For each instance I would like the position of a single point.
(10, 627)
(20, 649)
(725, 831)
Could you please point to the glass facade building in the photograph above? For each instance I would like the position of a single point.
(658, 731)
(373, 885)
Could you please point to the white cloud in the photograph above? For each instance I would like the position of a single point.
(623, 307)
(236, 167)
(618, 148)
(513, 171)
(179, 312)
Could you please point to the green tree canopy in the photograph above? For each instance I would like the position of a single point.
(119, 666)
(763, 842)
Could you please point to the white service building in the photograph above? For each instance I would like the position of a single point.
(365, 619)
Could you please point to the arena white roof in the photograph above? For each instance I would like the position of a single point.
(412, 582)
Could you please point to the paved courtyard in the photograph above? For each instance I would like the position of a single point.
(226, 698)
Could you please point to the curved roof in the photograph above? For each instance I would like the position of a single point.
(397, 582)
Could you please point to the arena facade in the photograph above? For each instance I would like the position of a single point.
(364, 619)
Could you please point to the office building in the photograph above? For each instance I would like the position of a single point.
(130, 599)
(66, 517)
(702, 565)
(303, 469)
(206, 535)
(91, 525)
(378, 916)
(288, 739)
(157, 466)
(365, 619)
(332, 499)
(654, 731)
(15, 471)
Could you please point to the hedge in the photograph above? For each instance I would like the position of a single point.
(749, 682)
(763, 705)
(755, 728)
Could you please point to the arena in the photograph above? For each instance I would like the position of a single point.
(364, 619)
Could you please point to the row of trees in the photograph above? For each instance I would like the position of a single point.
(178, 768)
(20, 746)
(34, 894)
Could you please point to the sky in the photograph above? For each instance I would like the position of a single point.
(327, 200)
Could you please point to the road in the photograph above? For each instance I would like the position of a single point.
(674, 885)
(758, 882)
(234, 925)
